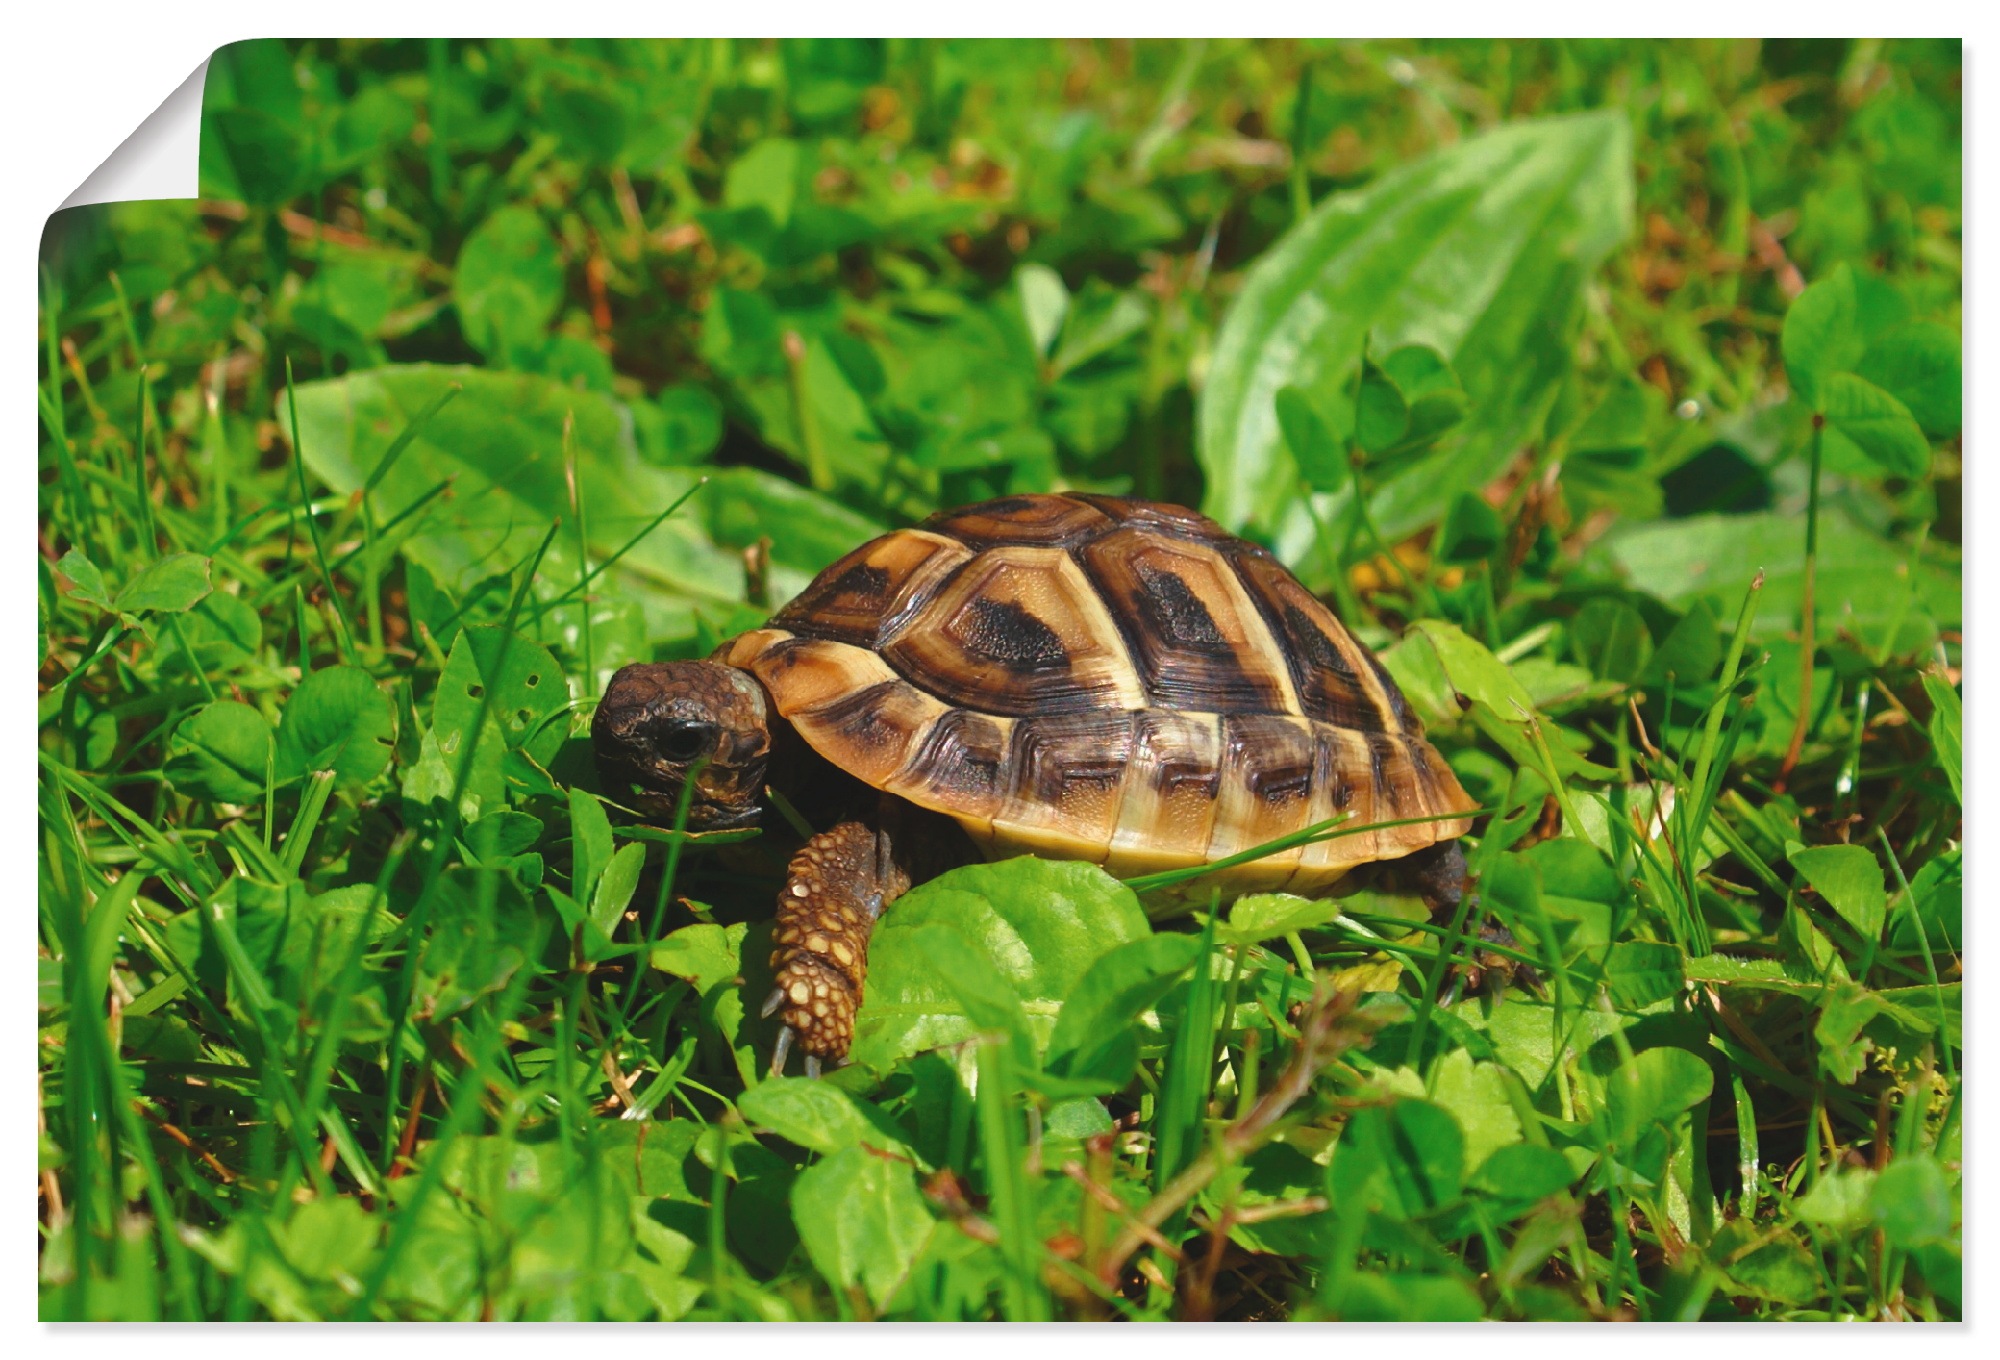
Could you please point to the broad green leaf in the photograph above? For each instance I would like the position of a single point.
(86, 581)
(985, 998)
(1849, 878)
(1500, 705)
(1654, 1087)
(1431, 392)
(328, 1238)
(1839, 1201)
(1641, 972)
(508, 283)
(260, 156)
(1404, 1296)
(1914, 1202)
(1381, 416)
(862, 1219)
(1920, 365)
(171, 585)
(704, 954)
(1039, 924)
(691, 422)
(1266, 916)
(1822, 336)
(589, 839)
(1609, 636)
(1766, 1263)
(1474, 671)
(1044, 301)
(1471, 532)
(336, 720)
(765, 176)
(1843, 1047)
(1947, 728)
(1402, 1160)
(1862, 578)
(1523, 1171)
(816, 1115)
(221, 752)
(528, 694)
(221, 632)
(616, 885)
(1879, 425)
(499, 447)
(1479, 251)
(1314, 446)
(1095, 1037)
(1476, 1095)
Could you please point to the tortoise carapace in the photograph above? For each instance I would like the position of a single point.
(1076, 676)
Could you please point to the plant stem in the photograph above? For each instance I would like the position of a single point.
(1806, 643)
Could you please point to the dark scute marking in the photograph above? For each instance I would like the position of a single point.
(1330, 768)
(1316, 645)
(860, 579)
(1379, 752)
(1275, 755)
(1328, 687)
(962, 756)
(1003, 632)
(1174, 521)
(1178, 767)
(866, 718)
(1177, 611)
(1069, 750)
(1398, 705)
(782, 656)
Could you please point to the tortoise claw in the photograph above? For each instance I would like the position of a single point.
(772, 1002)
(780, 1051)
(812, 1066)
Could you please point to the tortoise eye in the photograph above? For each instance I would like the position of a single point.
(682, 742)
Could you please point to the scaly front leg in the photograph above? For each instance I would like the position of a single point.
(835, 888)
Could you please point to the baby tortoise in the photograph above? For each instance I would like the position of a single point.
(1074, 676)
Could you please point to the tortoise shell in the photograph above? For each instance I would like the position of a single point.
(1112, 680)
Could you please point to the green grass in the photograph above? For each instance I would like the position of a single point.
(1615, 404)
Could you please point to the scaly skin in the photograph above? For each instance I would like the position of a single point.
(835, 888)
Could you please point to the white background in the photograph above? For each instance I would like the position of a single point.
(80, 75)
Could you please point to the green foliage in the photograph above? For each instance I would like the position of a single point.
(1610, 391)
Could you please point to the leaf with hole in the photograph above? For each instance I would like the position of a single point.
(517, 682)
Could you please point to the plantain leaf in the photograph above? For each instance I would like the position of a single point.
(1479, 251)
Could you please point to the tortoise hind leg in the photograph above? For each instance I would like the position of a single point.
(835, 888)
(1438, 875)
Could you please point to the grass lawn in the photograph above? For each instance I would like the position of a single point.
(1609, 391)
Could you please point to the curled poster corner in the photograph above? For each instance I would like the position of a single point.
(161, 157)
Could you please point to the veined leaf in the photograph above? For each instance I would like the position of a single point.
(1480, 251)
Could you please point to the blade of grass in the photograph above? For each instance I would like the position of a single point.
(312, 526)
(1023, 1295)
(454, 816)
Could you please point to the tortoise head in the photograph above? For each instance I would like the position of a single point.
(660, 726)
